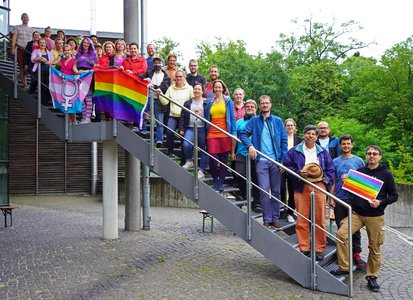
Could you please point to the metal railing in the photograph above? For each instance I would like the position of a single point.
(248, 178)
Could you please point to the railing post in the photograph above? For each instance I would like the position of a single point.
(39, 90)
(15, 75)
(66, 127)
(249, 185)
(152, 128)
(350, 252)
(114, 127)
(196, 182)
(146, 213)
(313, 245)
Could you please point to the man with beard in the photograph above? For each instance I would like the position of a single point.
(151, 51)
(239, 154)
(371, 215)
(328, 141)
(342, 164)
(268, 136)
(193, 77)
(213, 75)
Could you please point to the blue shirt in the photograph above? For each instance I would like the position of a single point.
(267, 146)
(342, 166)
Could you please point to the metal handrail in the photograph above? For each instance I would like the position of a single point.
(280, 165)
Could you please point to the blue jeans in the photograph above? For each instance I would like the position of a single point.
(188, 148)
(159, 115)
(269, 178)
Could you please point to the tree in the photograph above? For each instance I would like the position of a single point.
(166, 46)
(320, 41)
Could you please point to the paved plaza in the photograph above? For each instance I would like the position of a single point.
(55, 250)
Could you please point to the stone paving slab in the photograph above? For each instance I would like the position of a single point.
(55, 250)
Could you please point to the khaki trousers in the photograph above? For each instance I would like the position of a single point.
(303, 206)
(375, 233)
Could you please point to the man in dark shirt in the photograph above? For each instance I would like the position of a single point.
(193, 77)
(369, 214)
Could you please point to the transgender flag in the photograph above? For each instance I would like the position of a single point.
(69, 91)
(362, 185)
(120, 94)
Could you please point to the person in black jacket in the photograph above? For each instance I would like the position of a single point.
(286, 183)
(28, 65)
(186, 129)
(369, 214)
(160, 81)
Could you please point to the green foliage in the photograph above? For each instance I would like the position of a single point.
(312, 79)
(166, 46)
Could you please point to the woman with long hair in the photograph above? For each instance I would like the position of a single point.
(220, 112)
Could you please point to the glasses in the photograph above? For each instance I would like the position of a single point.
(289, 125)
(179, 76)
(372, 153)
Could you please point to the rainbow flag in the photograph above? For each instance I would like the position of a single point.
(69, 91)
(121, 95)
(362, 185)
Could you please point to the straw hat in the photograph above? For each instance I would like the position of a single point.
(315, 173)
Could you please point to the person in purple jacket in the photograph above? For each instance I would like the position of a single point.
(298, 159)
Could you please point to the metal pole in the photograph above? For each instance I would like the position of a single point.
(66, 127)
(196, 183)
(350, 252)
(144, 35)
(313, 246)
(248, 173)
(146, 199)
(93, 168)
(15, 75)
(39, 90)
(152, 128)
(114, 127)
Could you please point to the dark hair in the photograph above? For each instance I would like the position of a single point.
(34, 33)
(72, 39)
(310, 127)
(202, 88)
(93, 35)
(133, 43)
(346, 137)
(374, 147)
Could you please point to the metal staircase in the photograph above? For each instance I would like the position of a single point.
(280, 246)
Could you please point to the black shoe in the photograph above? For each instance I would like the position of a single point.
(306, 253)
(159, 145)
(338, 272)
(257, 209)
(319, 256)
(372, 284)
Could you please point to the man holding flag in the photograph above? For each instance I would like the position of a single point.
(369, 214)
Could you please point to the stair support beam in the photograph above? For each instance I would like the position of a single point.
(132, 193)
(110, 189)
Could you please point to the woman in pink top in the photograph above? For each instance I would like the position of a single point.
(66, 61)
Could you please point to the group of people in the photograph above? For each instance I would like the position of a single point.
(318, 157)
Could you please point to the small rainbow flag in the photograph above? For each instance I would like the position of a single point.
(362, 185)
(120, 94)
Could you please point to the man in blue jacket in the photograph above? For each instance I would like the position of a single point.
(268, 136)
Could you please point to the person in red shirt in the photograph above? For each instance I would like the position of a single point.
(134, 64)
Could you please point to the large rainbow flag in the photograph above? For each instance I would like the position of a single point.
(69, 91)
(121, 95)
(362, 185)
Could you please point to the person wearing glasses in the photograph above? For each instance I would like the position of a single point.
(268, 136)
(193, 77)
(371, 215)
(328, 141)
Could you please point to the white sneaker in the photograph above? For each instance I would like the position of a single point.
(85, 121)
(201, 175)
(188, 165)
(290, 219)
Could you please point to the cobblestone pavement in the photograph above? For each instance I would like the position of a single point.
(55, 250)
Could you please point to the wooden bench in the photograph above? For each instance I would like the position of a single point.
(207, 216)
(7, 210)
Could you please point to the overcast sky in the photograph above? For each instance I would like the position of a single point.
(257, 22)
